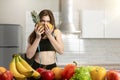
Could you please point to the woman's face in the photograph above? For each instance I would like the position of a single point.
(45, 20)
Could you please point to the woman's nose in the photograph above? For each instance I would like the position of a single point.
(44, 23)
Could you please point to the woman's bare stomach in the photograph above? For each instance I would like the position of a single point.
(46, 57)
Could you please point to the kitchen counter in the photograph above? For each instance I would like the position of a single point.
(107, 66)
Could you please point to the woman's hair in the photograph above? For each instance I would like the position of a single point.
(44, 12)
(47, 13)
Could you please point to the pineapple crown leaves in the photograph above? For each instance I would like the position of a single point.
(35, 16)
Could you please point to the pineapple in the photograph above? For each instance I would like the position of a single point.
(36, 19)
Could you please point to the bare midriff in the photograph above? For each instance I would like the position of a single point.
(46, 57)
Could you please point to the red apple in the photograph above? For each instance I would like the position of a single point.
(0, 75)
(7, 75)
(40, 70)
(47, 75)
(113, 75)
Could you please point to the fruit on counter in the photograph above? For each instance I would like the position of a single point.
(57, 72)
(82, 73)
(23, 62)
(7, 75)
(98, 73)
(40, 70)
(22, 69)
(2, 69)
(68, 71)
(113, 75)
(14, 70)
(47, 75)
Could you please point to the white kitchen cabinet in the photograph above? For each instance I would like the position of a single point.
(112, 31)
(112, 25)
(100, 24)
(93, 24)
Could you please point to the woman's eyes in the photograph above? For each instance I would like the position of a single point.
(45, 21)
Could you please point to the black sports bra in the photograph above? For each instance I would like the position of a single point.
(45, 45)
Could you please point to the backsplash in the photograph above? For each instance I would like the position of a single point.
(103, 52)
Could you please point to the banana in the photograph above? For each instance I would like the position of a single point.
(35, 73)
(20, 79)
(21, 69)
(14, 71)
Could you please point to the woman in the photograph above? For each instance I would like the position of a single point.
(41, 51)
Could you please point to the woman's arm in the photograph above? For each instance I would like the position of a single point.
(57, 43)
(31, 49)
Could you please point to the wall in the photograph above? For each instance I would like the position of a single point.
(102, 52)
(14, 11)
(91, 4)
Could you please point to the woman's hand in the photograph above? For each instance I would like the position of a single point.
(39, 30)
(48, 31)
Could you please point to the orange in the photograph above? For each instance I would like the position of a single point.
(2, 69)
(58, 73)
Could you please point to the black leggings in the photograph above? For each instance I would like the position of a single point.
(36, 65)
(49, 67)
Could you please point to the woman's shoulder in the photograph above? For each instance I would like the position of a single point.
(57, 32)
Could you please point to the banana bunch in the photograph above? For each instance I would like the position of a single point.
(21, 69)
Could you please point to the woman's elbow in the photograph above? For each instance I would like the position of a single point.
(61, 51)
(28, 55)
